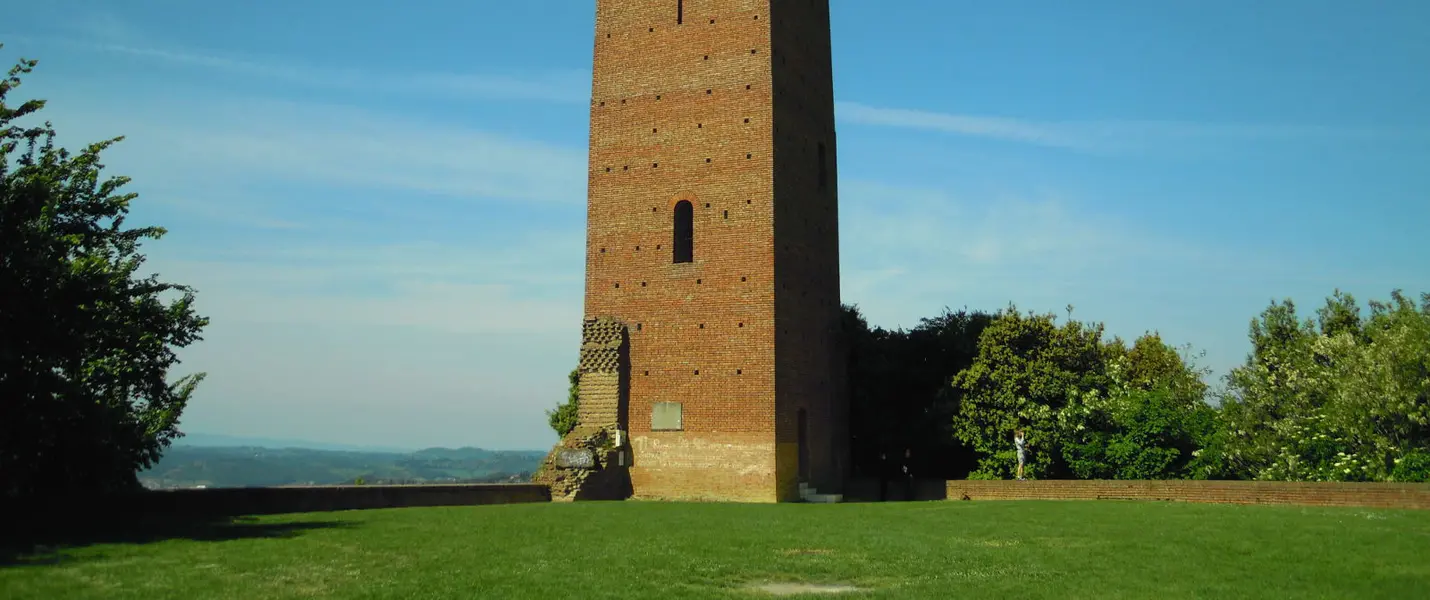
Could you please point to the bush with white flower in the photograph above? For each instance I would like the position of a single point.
(1337, 398)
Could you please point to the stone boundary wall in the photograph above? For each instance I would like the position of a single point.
(232, 502)
(1370, 495)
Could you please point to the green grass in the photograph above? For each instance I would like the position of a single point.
(654, 550)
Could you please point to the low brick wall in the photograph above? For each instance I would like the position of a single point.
(230, 502)
(1373, 495)
(272, 500)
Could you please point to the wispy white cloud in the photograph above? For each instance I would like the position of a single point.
(112, 36)
(400, 340)
(380, 266)
(1032, 228)
(103, 26)
(909, 251)
(349, 192)
(1114, 136)
(906, 245)
(419, 344)
(226, 205)
(191, 135)
(980, 126)
(190, 129)
(530, 287)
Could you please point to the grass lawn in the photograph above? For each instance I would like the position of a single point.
(1025, 549)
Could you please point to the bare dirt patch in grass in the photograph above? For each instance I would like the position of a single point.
(808, 552)
(795, 589)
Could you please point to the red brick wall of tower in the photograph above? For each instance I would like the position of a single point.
(694, 111)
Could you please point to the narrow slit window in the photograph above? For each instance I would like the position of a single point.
(679, 12)
(684, 242)
(823, 168)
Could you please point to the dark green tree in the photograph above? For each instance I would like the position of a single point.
(899, 391)
(1143, 434)
(86, 344)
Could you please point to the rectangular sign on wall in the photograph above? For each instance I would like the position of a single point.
(575, 458)
(665, 416)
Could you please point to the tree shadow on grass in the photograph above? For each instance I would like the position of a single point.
(51, 543)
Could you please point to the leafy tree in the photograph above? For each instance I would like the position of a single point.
(1152, 364)
(1136, 434)
(1382, 391)
(1268, 397)
(1149, 425)
(1337, 397)
(1027, 369)
(85, 345)
(1414, 467)
(563, 418)
(1341, 315)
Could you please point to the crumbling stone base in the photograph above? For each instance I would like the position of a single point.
(586, 465)
(591, 462)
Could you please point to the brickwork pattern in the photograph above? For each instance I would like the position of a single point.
(685, 108)
(599, 399)
(604, 374)
(1370, 495)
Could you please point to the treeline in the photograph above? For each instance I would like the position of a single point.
(1338, 396)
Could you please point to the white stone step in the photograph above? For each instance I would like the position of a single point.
(824, 498)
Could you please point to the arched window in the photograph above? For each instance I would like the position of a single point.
(684, 243)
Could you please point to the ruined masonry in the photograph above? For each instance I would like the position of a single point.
(590, 462)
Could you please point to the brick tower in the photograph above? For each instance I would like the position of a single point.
(712, 236)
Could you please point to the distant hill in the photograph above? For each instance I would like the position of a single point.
(232, 441)
(245, 466)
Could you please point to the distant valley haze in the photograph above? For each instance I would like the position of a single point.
(214, 440)
(219, 440)
(234, 461)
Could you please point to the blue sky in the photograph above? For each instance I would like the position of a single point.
(381, 203)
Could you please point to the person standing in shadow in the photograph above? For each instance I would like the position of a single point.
(883, 476)
(908, 475)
